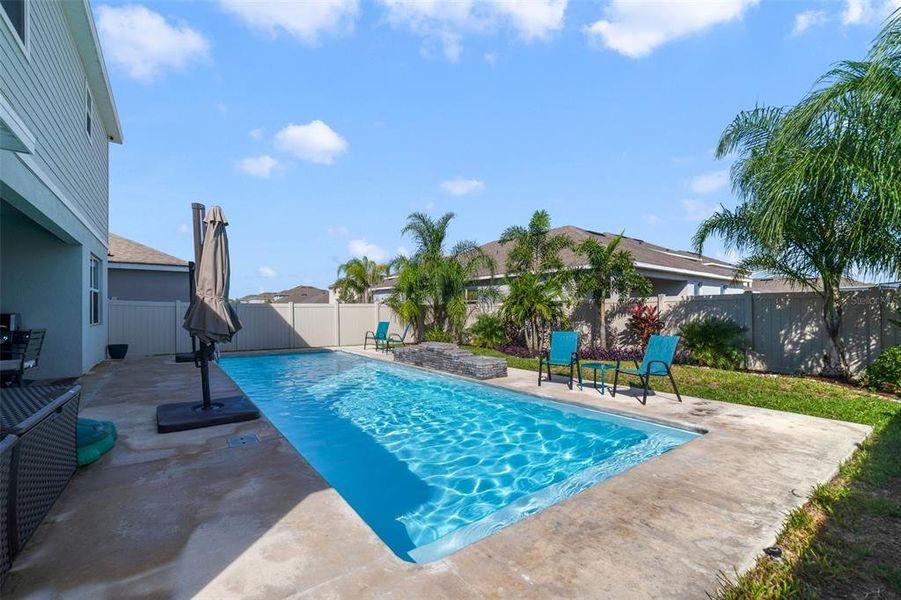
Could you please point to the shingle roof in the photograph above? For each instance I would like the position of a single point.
(647, 256)
(780, 284)
(124, 250)
(300, 294)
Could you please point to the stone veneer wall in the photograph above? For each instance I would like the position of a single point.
(451, 359)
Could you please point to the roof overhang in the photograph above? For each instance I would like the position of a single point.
(81, 24)
(147, 267)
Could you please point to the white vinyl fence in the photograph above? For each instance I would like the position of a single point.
(155, 327)
(784, 331)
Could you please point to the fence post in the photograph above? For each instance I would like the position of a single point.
(293, 327)
(749, 325)
(337, 323)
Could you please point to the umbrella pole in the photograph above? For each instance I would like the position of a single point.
(205, 375)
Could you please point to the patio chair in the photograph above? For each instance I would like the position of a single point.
(397, 339)
(24, 352)
(379, 336)
(658, 358)
(564, 351)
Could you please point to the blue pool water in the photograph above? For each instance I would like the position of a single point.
(434, 463)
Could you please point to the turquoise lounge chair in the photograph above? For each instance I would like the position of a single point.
(379, 336)
(658, 358)
(564, 352)
(397, 340)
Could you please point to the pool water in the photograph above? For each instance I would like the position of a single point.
(434, 463)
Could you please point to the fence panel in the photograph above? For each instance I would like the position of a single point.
(785, 330)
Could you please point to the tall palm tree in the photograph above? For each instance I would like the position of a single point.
(820, 182)
(356, 278)
(609, 270)
(434, 277)
(533, 302)
(534, 250)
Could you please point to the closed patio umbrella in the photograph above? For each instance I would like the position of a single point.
(211, 319)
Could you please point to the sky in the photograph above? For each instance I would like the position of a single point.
(319, 126)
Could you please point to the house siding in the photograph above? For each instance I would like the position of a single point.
(46, 87)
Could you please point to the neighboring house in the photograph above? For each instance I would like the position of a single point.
(767, 285)
(671, 272)
(57, 117)
(139, 272)
(302, 294)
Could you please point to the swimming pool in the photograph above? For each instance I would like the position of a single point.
(434, 463)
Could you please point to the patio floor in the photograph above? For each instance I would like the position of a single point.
(183, 515)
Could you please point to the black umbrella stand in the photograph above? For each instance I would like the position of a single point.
(181, 416)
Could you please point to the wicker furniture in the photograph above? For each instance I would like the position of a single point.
(7, 446)
(20, 351)
(44, 419)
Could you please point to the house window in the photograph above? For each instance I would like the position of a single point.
(15, 12)
(88, 104)
(95, 291)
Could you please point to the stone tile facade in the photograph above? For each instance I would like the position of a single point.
(451, 359)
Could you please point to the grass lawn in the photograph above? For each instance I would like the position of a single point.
(846, 541)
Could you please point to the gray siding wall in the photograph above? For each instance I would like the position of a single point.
(46, 88)
(151, 286)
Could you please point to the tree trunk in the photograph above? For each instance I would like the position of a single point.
(832, 318)
(602, 323)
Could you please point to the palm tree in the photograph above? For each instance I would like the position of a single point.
(435, 277)
(534, 249)
(820, 182)
(356, 278)
(609, 270)
(534, 302)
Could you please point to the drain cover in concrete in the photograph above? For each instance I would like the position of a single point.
(244, 440)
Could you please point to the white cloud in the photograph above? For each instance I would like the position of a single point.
(490, 58)
(807, 19)
(307, 22)
(255, 134)
(857, 12)
(339, 231)
(636, 27)
(707, 183)
(695, 210)
(444, 22)
(361, 248)
(315, 142)
(653, 219)
(265, 271)
(402, 251)
(184, 228)
(258, 166)
(460, 186)
(144, 44)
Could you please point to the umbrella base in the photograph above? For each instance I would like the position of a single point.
(182, 416)
(184, 357)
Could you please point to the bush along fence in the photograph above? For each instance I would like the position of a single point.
(784, 331)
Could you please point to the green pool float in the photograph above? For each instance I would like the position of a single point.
(95, 438)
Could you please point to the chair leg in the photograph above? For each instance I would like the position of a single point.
(570, 374)
(615, 381)
(644, 397)
(540, 366)
(673, 381)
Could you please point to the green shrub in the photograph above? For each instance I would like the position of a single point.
(715, 342)
(884, 373)
(487, 331)
(436, 334)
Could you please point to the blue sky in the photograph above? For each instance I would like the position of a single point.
(319, 127)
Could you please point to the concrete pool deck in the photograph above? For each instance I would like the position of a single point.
(184, 515)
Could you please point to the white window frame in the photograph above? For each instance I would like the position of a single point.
(92, 290)
(89, 113)
(24, 46)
